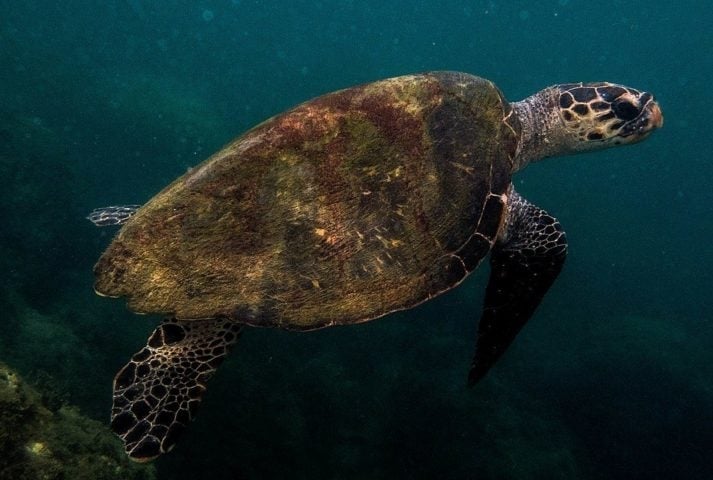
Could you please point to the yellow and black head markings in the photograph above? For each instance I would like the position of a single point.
(608, 113)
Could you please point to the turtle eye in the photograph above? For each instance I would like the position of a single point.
(625, 110)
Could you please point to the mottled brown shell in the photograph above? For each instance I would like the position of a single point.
(350, 206)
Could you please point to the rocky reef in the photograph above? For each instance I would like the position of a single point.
(39, 440)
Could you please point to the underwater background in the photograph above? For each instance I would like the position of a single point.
(105, 103)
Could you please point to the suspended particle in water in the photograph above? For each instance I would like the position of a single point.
(524, 15)
(208, 15)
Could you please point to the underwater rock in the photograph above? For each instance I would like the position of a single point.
(36, 443)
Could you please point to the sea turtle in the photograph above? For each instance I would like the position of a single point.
(346, 208)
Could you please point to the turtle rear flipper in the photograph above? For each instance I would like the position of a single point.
(157, 393)
(114, 215)
(523, 267)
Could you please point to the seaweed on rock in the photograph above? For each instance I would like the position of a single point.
(38, 443)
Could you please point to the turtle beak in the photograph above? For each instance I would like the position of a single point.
(655, 114)
(646, 122)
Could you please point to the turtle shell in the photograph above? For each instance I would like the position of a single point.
(350, 206)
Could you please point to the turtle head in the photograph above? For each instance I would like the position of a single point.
(600, 115)
(579, 117)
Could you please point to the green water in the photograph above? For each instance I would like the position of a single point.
(106, 102)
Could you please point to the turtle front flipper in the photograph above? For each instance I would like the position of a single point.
(524, 264)
(158, 392)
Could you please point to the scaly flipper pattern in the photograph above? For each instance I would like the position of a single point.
(114, 215)
(158, 392)
(523, 266)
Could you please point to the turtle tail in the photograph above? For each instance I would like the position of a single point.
(158, 392)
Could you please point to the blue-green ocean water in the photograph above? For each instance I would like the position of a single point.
(106, 102)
